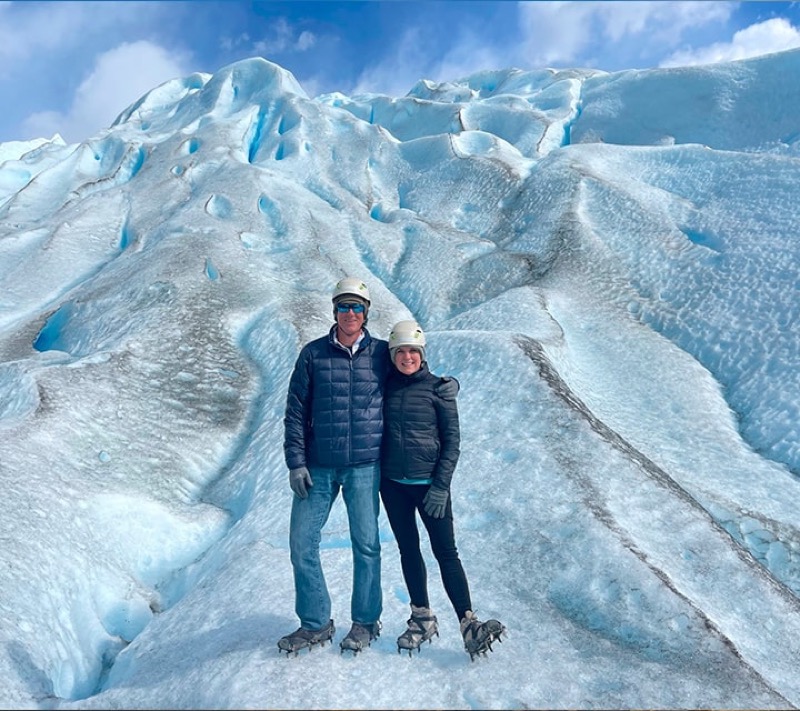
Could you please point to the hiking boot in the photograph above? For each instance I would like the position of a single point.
(478, 636)
(422, 626)
(360, 636)
(302, 638)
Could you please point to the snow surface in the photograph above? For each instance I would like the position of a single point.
(607, 262)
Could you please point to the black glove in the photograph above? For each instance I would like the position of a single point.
(299, 479)
(435, 502)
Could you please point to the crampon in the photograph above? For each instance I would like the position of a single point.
(304, 638)
(422, 627)
(479, 636)
(360, 636)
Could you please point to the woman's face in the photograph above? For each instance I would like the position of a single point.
(407, 360)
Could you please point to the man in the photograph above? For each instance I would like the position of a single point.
(333, 428)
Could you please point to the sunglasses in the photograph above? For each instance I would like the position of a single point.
(355, 308)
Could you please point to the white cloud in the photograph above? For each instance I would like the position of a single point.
(667, 21)
(463, 59)
(415, 58)
(283, 37)
(28, 28)
(565, 32)
(24, 30)
(229, 43)
(306, 40)
(398, 71)
(775, 35)
(555, 31)
(119, 77)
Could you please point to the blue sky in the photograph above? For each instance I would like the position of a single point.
(72, 67)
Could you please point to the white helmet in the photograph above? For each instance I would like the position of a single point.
(407, 333)
(351, 286)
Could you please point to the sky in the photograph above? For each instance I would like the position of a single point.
(607, 263)
(72, 67)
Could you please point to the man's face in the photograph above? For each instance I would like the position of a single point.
(349, 322)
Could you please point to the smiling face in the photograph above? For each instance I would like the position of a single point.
(407, 360)
(349, 323)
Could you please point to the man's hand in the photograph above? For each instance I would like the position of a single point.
(300, 480)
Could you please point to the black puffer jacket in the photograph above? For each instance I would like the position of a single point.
(334, 407)
(421, 437)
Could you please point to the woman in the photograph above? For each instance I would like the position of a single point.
(419, 453)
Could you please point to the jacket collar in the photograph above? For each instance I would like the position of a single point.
(362, 342)
(403, 378)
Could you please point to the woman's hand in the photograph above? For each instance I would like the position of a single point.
(435, 502)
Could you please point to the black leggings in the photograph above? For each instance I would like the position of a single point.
(402, 502)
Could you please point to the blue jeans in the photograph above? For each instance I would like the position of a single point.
(359, 487)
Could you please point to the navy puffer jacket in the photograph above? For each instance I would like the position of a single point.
(334, 408)
(422, 438)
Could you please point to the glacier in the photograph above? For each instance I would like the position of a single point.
(608, 263)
